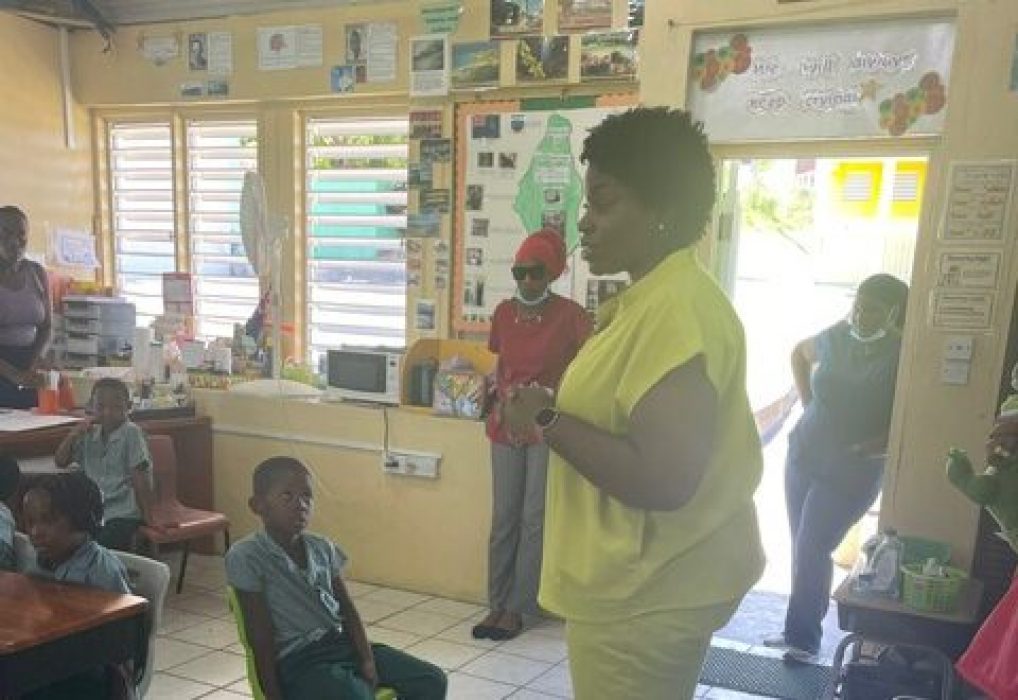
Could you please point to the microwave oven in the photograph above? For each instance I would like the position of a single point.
(364, 374)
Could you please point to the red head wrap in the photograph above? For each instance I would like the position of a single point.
(546, 247)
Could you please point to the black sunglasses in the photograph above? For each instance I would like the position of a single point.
(535, 273)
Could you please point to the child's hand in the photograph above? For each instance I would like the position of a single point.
(369, 673)
(81, 428)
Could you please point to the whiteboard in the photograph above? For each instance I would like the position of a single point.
(886, 79)
(518, 171)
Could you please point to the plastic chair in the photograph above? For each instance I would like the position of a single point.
(172, 521)
(252, 670)
(24, 552)
(149, 579)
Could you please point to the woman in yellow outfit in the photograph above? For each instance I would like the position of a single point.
(651, 535)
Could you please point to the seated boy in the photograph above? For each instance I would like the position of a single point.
(10, 475)
(115, 456)
(304, 630)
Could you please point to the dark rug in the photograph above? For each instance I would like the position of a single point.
(762, 675)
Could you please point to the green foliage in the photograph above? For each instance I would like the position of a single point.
(768, 210)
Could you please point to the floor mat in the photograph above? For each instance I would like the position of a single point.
(762, 675)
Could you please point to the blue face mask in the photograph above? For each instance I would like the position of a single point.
(533, 302)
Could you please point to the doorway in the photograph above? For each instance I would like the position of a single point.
(795, 237)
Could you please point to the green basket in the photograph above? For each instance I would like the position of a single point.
(931, 593)
(919, 549)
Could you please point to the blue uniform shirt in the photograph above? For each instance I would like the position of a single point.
(6, 539)
(91, 564)
(110, 464)
(301, 602)
(853, 394)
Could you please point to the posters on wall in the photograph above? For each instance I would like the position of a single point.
(383, 39)
(424, 316)
(356, 53)
(962, 310)
(608, 56)
(441, 17)
(425, 124)
(441, 255)
(979, 201)
(540, 59)
(429, 65)
(289, 47)
(970, 268)
(475, 64)
(513, 18)
(197, 51)
(342, 78)
(220, 53)
(875, 79)
(521, 173)
(584, 15)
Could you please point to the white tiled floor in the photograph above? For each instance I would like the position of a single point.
(198, 655)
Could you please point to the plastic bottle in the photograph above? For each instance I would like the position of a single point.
(886, 566)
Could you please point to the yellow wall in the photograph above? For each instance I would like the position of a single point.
(930, 417)
(422, 534)
(38, 172)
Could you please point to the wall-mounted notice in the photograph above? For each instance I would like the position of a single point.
(429, 65)
(220, 53)
(285, 48)
(873, 79)
(962, 310)
(383, 38)
(979, 201)
(971, 268)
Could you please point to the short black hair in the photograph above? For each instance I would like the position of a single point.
(661, 155)
(888, 290)
(271, 470)
(76, 497)
(10, 476)
(112, 384)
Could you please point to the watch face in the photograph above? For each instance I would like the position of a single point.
(545, 417)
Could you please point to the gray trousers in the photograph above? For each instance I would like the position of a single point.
(519, 480)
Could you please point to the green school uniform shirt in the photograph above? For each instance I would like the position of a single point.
(606, 561)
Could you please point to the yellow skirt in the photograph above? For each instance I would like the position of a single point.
(656, 656)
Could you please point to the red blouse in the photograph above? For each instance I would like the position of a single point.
(536, 349)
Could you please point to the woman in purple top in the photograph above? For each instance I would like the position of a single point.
(25, 313)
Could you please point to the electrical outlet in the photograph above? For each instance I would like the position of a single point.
(403, 463)
(958, 347)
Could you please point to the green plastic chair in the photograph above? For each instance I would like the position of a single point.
(252, 671)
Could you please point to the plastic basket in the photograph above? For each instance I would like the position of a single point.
(931, 593)
(920, 549)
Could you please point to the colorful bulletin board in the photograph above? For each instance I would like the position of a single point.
(517, 170)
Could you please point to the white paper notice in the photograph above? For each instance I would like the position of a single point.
(382, 48)
(277, 48)
(962, 310)
(429, 65)
(973, 268)
(979, 201)
(74, 249)
(220, 53)
(309, 45)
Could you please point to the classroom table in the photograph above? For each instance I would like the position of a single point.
(51, 631)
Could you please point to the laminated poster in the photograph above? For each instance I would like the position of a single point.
(429, 65)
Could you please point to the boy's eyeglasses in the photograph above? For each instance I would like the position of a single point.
(535, 273)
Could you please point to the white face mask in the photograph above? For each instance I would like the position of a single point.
(533, 302)
(872, 338)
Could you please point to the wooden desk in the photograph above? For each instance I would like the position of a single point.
(192, 441)
(51, 631)
(891, 621)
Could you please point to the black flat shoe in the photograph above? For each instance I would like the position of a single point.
(482, 632)
(501, 634)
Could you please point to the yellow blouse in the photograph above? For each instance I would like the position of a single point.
(606, 561)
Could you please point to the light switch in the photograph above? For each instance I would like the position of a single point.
(954, 372)
(958, 347)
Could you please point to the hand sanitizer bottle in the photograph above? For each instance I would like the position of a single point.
(887, 560)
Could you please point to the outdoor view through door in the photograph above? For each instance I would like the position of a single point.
(801, 234)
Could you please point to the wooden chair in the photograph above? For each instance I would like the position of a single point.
(172, 521)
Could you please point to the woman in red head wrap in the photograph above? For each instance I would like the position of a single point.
(535, 334)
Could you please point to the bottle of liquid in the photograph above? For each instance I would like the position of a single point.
(886, 566)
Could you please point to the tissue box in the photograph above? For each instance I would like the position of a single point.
(459, 394)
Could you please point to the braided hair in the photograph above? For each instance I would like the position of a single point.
(76, 497)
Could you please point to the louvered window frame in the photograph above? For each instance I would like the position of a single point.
(225, 285)
(359, 296)
(182, 215)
